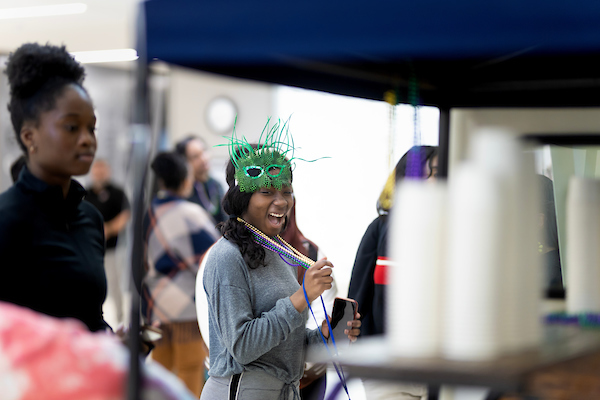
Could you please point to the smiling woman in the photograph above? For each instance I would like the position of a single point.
(257, 310)
(51, 242)
(268, 209)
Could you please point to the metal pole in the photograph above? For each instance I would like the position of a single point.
(141, 139)
(444, 142)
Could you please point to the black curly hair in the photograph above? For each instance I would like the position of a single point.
(171, 168)
(235, 203)
(37, 75)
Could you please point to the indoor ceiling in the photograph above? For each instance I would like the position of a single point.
(105, 25)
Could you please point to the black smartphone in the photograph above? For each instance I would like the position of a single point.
(344, 310)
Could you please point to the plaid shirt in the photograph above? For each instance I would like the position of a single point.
(178, 233)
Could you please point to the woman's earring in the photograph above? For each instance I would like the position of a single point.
(32, 149)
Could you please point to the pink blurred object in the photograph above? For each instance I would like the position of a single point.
(59, 359)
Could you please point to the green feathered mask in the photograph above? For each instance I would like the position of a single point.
(269, 164)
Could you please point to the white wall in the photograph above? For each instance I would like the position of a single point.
(464, 122)
(191, 91)
(337, 196)
(107, 24)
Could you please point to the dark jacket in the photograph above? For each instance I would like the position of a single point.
(52, 251)
(111, 201)
(209, 195)
(366, 287)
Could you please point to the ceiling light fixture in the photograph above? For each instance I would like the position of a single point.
(103, 56)
(42, 11)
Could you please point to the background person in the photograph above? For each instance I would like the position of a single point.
(369, 276)
(112, 203)
(257, 310)
(178, 233)
(207, 192)
(52, 242)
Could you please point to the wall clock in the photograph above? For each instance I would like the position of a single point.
(220, 114)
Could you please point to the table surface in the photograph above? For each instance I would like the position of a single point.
(371, 358)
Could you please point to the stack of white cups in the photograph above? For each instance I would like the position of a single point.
(467, 284)
(418, 233)
(474, 267)
(494, 286)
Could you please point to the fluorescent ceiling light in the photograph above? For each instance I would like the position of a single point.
(42, 11)
(100, 56)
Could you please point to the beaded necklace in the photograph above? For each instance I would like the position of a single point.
(280, 246)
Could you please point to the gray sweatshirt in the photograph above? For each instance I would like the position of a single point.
(252, 322)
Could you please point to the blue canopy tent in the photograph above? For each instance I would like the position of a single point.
(464, 53)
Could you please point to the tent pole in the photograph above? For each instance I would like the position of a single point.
(444, 141)
(141, 139)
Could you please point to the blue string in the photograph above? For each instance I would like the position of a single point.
(289, 263)
(338, 369)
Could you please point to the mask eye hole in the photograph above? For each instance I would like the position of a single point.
(274, 170)
(253, 171)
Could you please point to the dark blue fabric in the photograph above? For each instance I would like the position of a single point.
(237, 31)
(202, 241)
(461, 53)
(209, 195)
(167, 265)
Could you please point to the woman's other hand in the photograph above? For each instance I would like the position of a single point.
(352, 331)
(353, 328)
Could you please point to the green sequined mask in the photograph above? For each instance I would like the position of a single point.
(269, 164)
